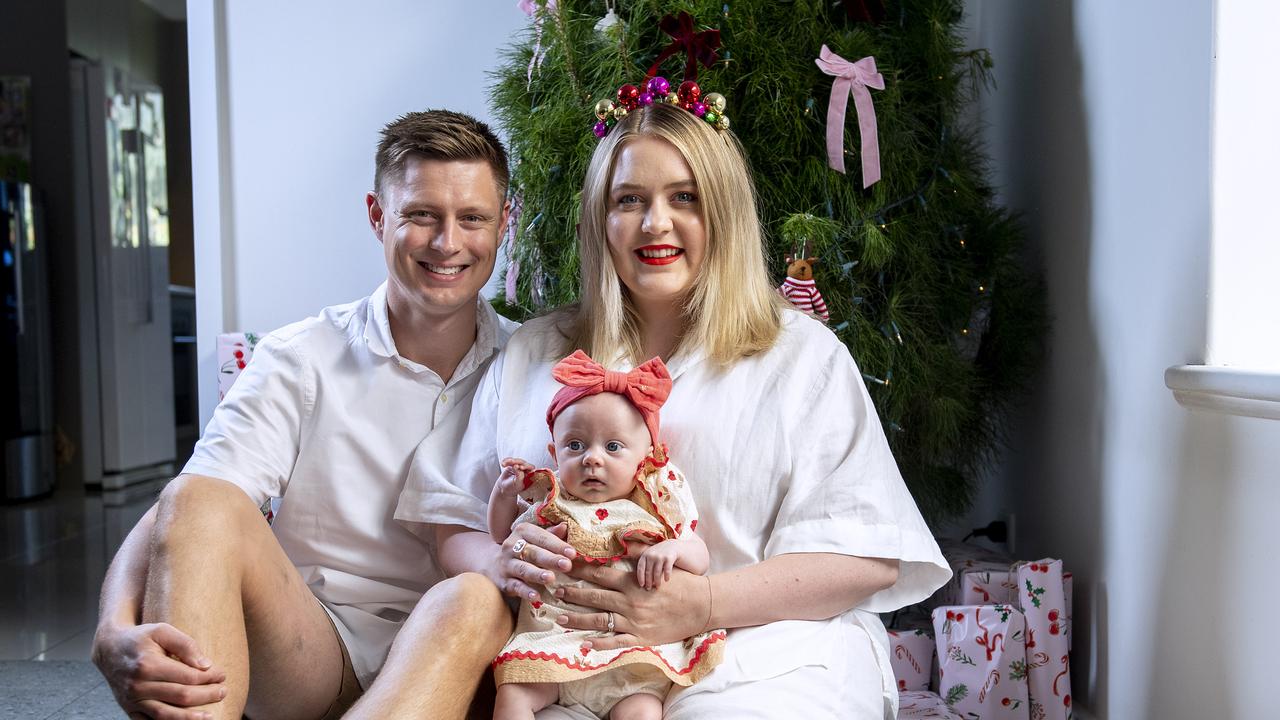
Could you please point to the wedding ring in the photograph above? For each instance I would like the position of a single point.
(518, 548)
(610, 623)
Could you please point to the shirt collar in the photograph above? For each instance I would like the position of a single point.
(377, 333)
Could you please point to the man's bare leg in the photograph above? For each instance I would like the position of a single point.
(440, 654)
(218, 574)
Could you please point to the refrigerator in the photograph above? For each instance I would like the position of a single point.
(122, 224)
(26, 413)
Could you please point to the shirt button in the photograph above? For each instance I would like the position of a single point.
(444, 398)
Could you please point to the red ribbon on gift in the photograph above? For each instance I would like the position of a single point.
(698, 46)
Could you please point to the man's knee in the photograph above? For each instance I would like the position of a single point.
(466, 605)
(202, 509)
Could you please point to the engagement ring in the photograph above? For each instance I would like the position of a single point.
(610, 623)
(518, 548)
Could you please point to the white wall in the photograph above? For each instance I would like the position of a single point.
(1100, 128)
(287, 101)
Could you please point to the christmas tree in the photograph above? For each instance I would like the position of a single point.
(921, 271)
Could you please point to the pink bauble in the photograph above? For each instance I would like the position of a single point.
(699, 109)
(600, 129)
(658, 86)
(646, 99)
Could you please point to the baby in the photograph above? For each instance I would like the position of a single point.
(616, 492)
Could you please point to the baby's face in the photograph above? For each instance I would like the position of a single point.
(597, 443)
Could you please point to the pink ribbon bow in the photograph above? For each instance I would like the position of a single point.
(646, 387)
(852, 78)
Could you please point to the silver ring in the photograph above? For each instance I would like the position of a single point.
(518, 548)
(610, 623)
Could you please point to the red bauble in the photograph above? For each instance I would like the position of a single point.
(689, 93)
(629, 96)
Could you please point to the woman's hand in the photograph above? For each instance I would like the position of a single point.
(529, 557)
(679, 609)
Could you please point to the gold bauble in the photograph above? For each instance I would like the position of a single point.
(619, 112)
(723, 122)
(715, 101)
(673, 99)
(603, 108)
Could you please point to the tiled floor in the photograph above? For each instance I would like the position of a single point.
(53, 554)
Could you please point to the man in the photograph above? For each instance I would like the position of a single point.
(208, 612)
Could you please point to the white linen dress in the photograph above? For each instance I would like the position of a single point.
(789, 457)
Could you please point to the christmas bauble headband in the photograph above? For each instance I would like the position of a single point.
(709, 107)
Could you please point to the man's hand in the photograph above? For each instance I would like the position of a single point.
(157, 671)
(679, 609)
(654, 565)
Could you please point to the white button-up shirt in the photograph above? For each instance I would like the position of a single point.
(784, 453)
(326, 417)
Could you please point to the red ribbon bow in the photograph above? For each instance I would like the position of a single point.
(646, 387)
(698, 46)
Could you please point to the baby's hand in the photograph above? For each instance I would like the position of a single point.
(511, 481)
(655, 563)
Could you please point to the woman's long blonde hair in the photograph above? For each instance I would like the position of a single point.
(733, 310)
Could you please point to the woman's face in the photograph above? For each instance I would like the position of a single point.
(657, 238)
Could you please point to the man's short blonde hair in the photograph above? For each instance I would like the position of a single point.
(438, 135)
(733, 310)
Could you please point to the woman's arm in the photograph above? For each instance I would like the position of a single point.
(799, 586)
(461, 549)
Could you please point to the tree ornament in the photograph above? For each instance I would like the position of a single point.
(646, 98)
(723, 122)
(688, 93)
(628, 96)
(673, 99)
(712, 117)
(699, 47)
(619, 112)
(699, 109)
(600, 129)
(852, 78)
(603, 108)
(800, 289)
(715, 101)
(610, 27)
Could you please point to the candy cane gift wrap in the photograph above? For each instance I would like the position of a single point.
(911, 655)
(982, 585)
(1042, 597)
(982, 660)
(234, 350)
(922, 705)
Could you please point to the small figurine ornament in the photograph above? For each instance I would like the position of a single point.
(801, 289)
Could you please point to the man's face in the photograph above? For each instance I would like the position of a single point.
(439, 224)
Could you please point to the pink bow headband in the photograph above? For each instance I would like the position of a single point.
(645, 387)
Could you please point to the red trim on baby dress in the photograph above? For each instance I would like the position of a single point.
(575, 665)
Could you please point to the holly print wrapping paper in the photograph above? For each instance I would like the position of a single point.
(234, 352)
(924, 705)
(911, 654)
(982, 661)
(1042, 598)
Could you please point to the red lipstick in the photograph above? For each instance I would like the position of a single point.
(665, 260)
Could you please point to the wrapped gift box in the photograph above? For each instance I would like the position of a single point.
(234, 352)
(922, 705)
(1042, 598)
(982, 661)
(911, 654)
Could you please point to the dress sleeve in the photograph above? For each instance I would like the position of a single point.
(680, 490)
(253, 438)
(845, 494)
(455, 467)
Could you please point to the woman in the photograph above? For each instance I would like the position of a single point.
(810, 527)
